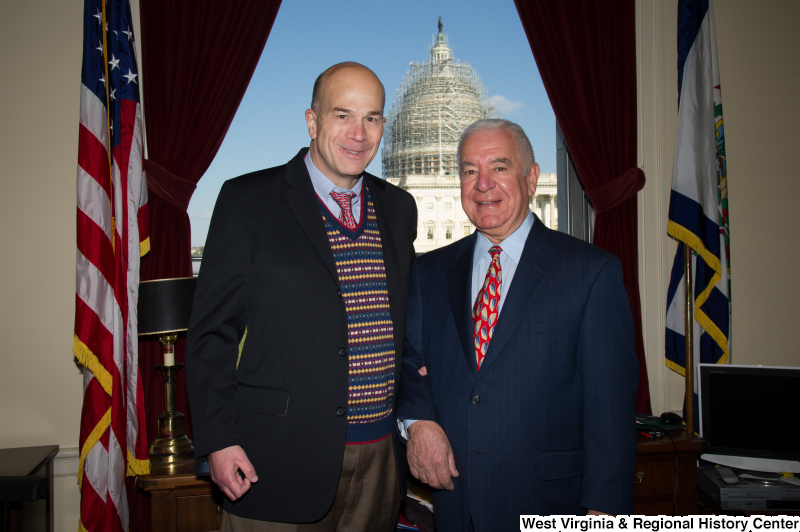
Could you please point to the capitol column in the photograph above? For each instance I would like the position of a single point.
(421, 234)
(439, 230)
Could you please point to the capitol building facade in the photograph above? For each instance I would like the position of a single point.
(436, 101)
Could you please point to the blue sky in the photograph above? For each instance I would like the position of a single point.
(310, 35)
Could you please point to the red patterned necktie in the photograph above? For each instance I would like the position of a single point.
(485, 310)
(344, 200)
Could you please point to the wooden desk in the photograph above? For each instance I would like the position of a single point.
(183, 498)
(24, 462)
(658, 464)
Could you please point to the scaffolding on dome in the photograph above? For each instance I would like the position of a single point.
(436, 100)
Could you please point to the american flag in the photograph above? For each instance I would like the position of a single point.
(112, 234)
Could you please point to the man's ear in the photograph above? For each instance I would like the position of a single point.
(533, 178)
(311, 122)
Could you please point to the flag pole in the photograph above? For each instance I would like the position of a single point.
(110, 143)
(689, 363)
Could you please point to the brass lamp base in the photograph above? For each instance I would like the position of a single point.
(172, 445)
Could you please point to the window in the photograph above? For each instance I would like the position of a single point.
(578, 220)
(511, 98)
(448, 232)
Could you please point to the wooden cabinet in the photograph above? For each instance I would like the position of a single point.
(183, 498)
(666, 474)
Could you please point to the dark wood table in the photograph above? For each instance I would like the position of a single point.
(666, 474)
(21, 463)
(183, 498)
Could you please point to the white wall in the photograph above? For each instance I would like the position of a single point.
(40, 385)
(40, 58)
(760, 80)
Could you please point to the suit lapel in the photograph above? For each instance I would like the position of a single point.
(529, 275)
(459, 275)
(385, 209)
(302, 199)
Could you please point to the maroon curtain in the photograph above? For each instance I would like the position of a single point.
(197, 60)
(586, 54)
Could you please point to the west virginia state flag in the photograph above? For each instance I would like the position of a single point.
(698, 209)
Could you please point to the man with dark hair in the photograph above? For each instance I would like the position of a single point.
(524, 399)
(293, 346)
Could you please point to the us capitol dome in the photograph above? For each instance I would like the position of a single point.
(435, 102)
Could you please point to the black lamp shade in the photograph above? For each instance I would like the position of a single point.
(165, 305)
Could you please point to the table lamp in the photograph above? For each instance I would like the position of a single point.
(164, 309)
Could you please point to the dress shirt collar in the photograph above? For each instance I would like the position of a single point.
(323, 186)
(512, 245)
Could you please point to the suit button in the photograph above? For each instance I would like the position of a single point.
(342, 351)
(475, 399)
(340, 411)
(339, 293)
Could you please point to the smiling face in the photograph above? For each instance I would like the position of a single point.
(347, 126)
(496, 183)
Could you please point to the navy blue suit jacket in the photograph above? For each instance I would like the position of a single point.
(547, 425)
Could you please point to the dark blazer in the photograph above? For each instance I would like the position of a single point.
(268, 267)
(547, 425)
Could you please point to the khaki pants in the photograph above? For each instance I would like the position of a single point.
(367, 498)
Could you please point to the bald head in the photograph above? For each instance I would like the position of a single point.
(345, 122)
(339, 70)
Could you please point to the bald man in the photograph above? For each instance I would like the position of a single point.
(294, 345)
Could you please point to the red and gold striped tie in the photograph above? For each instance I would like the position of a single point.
(485, 310)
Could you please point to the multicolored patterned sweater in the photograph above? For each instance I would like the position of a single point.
(362, 277)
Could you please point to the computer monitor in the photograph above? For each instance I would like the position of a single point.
(749, 415)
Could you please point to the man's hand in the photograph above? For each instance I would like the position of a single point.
(232, 471)
(430, 457)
